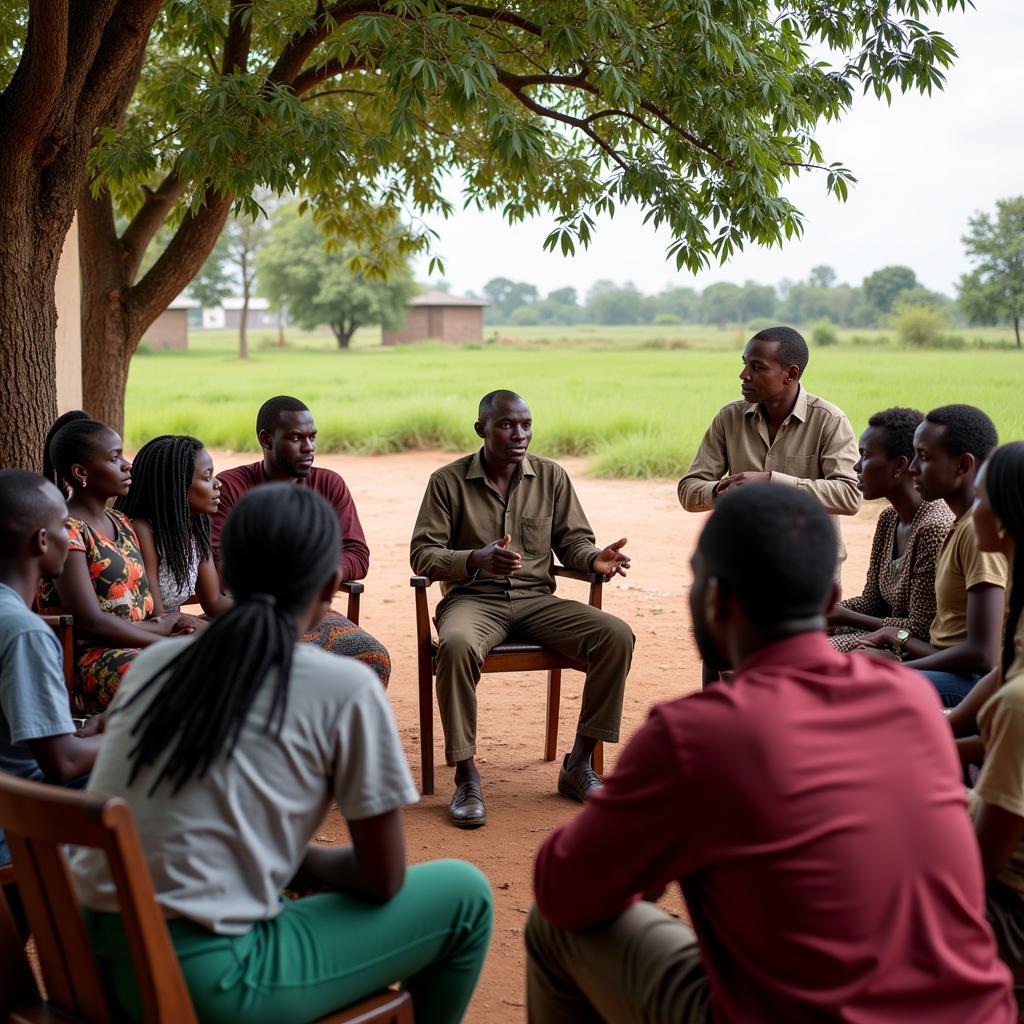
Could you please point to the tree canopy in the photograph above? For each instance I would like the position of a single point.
(701, 113)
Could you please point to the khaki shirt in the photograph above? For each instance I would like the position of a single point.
(461, 512)
(814, 449)
(1001, 723)
(959, 567)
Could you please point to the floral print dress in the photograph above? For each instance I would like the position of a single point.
(119, 579)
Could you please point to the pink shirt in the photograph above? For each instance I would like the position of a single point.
(355, 558)
(812, 811)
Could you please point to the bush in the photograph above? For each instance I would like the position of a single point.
(824, 333)
(919, 326)
(762, 323)
(869, 340)
(666, 320)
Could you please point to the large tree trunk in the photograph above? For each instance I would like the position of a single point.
(116, 310)
(343, 332)
(77, 71)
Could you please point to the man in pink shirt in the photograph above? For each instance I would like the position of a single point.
(287, 434)
(810, 809)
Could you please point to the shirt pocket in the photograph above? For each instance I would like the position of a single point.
(803, 466)
(536, 534)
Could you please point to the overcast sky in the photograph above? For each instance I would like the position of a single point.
(924, 165)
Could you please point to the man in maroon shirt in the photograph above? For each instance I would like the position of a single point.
(287, 435)
(810, 808)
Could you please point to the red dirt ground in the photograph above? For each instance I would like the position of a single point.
(519, 786)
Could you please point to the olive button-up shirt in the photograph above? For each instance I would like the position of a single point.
(462, 511)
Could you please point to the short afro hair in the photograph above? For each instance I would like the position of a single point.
(27, 500)
(270, 412)
(491, 399)
(792, 350)
(898, 425)
(968, 430)
(774, 548)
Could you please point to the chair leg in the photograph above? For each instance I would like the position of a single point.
(426, 726)
(597, 761)
(551, 725)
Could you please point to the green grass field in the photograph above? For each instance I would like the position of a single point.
(635, 400)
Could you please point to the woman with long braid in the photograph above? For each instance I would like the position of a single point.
(229, 747)
(997, 802)
(173, 494)
(104, 584)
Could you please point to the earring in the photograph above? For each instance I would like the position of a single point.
(85, 483)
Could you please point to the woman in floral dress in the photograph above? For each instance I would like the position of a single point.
(104, 583)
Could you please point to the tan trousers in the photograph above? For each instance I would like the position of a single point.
(643, 968)
(469, 626)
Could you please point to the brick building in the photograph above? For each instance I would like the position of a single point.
(440, 316)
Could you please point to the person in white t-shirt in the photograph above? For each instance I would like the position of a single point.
(229, 746)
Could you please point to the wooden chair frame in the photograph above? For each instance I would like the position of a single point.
(39, 820)
(510, 656)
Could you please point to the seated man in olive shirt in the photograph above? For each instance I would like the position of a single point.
(486, 530)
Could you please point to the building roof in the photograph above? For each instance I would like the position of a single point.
(183, 302)
(255, 304)
(435, 297)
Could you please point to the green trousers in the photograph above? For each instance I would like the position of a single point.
(324, 952)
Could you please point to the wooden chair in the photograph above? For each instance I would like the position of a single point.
(354, 591)
(39, 820)
(510, 656)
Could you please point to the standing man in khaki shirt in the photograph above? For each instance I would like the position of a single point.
(486, 530)
(776, 433)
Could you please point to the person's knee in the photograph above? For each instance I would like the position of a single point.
(467, 886)
(455, 647)
(618, 636)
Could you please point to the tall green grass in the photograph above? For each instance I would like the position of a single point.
(634, 410)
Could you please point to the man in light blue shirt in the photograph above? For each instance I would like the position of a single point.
(38, 740)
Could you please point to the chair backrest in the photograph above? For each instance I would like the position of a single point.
(39, 820)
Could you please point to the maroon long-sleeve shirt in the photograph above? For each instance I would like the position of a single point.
(355, 557)
(812, 811)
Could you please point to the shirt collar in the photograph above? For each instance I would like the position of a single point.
(795, 651)
(476, 467)
(799, 411)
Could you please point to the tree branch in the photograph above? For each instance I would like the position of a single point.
(510, 82)
(33, 92)
(315, 75)
(148, 220)
(178, 263)
(236, 46)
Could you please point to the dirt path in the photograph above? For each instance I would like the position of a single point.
(522, 804)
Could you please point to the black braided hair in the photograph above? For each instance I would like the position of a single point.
(279, 546)
(71, 439)
(898, 425)
(1004, 482)
(162, 474)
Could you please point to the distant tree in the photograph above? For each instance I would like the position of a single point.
(722, 303)
(822, 276)
(215, 281)
(320, 287)
(883, 286)
(683, 303)
(617, 304)
(758, 300)
(563, 297)
(805, 303)
(506, 296)
(993, 291)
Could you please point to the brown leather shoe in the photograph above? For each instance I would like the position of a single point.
(579, 783)
(467, 807)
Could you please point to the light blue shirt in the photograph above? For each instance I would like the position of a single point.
(33, 697)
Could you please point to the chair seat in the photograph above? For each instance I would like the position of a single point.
(519, 656)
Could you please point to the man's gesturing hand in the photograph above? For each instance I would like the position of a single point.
(611, 561)
(496, 558)
(741, 480)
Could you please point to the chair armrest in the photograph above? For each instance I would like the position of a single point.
(53, 621)
(420, 582)
(576, 574)
(351, 587)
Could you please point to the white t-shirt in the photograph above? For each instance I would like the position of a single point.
(221, 849)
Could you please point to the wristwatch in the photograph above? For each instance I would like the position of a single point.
(902, 636)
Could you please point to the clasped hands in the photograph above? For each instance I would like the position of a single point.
(741, 480)
(496, 559)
